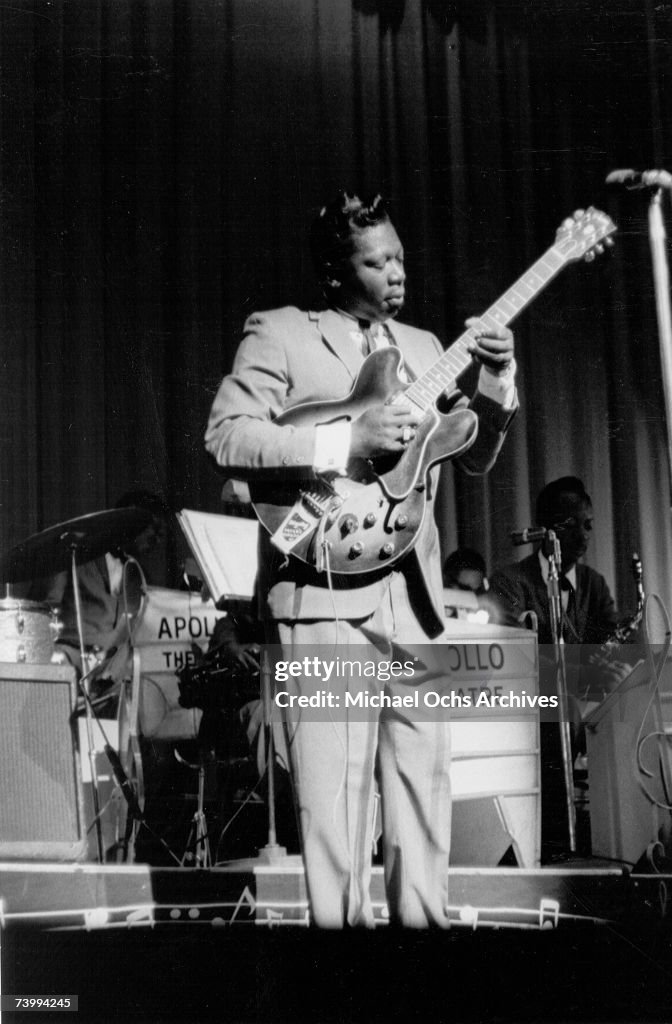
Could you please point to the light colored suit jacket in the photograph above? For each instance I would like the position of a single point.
(288, 357)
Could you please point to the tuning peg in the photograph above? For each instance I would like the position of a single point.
(578, 214)
(590, 256)
(599, 248)
(609, 242)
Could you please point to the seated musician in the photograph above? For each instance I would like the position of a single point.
(464, 572)
(588, 611)
(288, 357)
(464, 569)
(589, 615)
(589, 619)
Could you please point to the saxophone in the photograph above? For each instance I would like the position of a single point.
(626, 627)
(605, 656)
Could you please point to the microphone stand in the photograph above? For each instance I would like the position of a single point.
(272, 853)
(555, 606)
(658, 238)
(72, 539)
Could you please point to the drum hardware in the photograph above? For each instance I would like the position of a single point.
(217, 681)
(51, 551)
(55, 625)
(198, 840)
(74, 541)
(125, 785)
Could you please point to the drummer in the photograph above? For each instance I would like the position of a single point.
(108, 587)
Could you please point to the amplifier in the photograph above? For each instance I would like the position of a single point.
(42, 806)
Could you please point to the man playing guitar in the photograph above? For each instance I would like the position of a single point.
(279, 422)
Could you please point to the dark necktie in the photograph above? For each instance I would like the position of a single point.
(569, 609)
(369, 343)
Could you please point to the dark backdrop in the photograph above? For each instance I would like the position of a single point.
(160, 162)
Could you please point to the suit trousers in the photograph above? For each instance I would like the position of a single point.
(336, 759)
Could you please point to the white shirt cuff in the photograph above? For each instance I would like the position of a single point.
(500, 387)
(332, 447)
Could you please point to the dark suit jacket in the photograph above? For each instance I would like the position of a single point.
(103, 619)
(100, 608)
(520, 587)
(289, 357)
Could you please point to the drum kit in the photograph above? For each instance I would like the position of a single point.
(29, 632)
(29, 629)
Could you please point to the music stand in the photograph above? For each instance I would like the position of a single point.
(212, 540)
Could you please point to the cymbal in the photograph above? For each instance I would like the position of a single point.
(50, 552)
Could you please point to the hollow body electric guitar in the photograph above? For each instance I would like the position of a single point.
(371, 517)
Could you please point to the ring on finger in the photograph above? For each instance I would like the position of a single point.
(406, 435)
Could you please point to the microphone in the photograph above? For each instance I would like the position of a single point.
(640, 179)
(531, 534)
(528, 536)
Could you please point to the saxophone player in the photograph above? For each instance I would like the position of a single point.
(589, 622)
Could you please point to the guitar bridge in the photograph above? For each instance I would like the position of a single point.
(312, 505)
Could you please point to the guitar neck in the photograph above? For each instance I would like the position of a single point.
(455, 360)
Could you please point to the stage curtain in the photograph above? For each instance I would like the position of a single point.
(160, 162)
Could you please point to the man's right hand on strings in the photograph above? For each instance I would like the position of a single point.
(381, 429)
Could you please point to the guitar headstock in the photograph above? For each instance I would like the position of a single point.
(585, 234)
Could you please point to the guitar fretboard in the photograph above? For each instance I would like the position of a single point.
(443, 374)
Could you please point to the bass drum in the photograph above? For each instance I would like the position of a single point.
(28, 630)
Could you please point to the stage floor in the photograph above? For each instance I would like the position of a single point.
(149, 945)
(90, 897)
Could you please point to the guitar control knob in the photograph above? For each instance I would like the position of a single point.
(348, 524)
(356, 549)
(370, 519)
(387, 550)
(402, 522)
